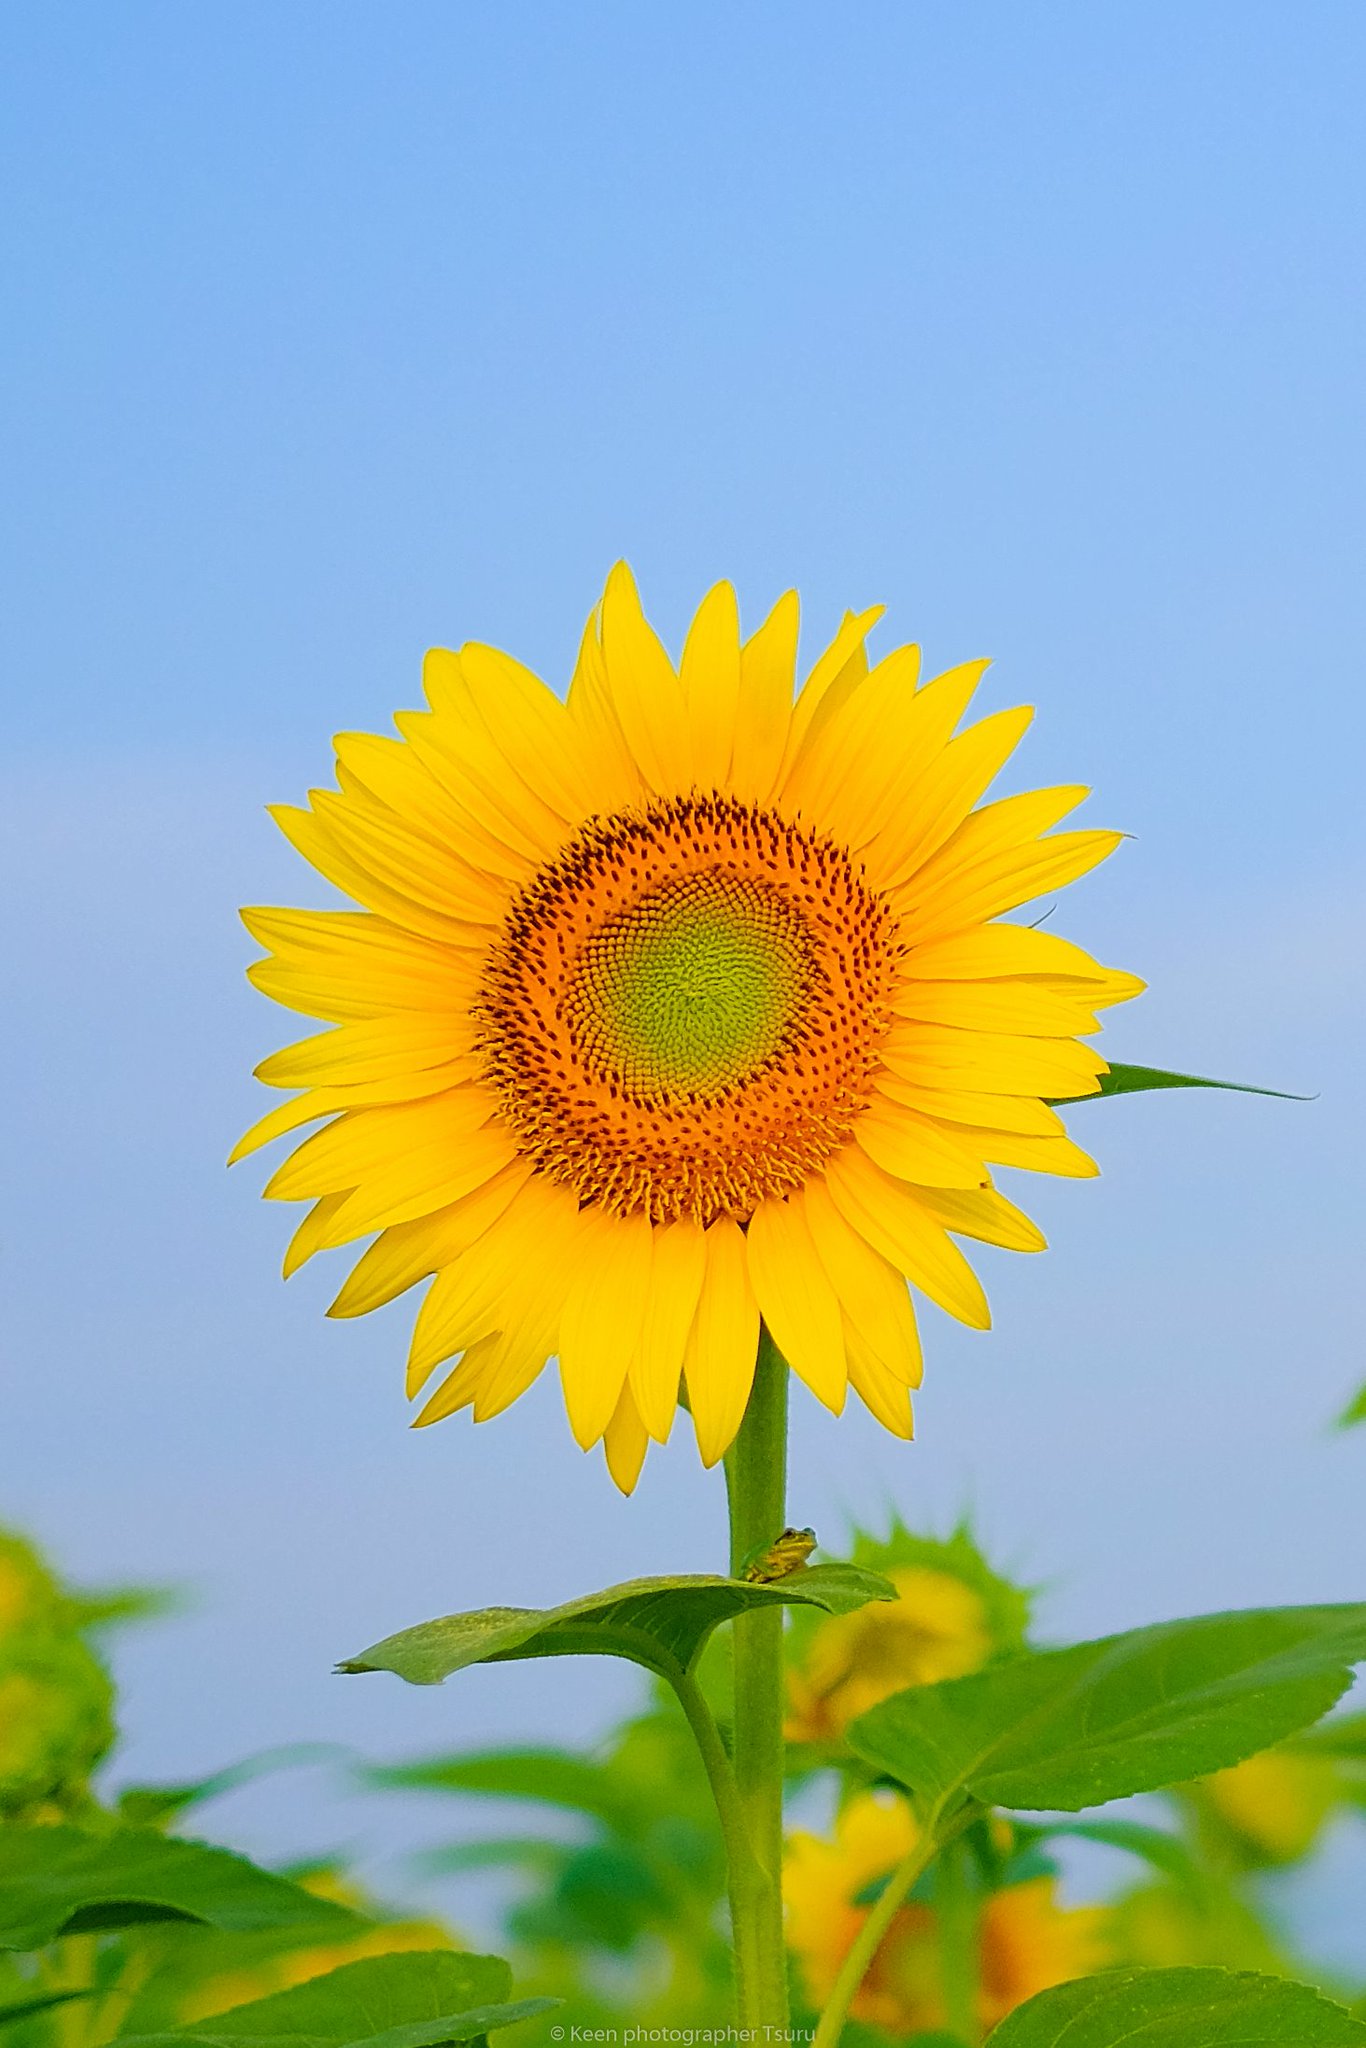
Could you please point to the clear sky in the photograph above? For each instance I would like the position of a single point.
(336, 331)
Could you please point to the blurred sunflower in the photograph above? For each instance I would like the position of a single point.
(952, 1615)
(1025, 1941)
(675, 1006)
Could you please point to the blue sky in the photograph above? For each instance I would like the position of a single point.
(337, 332)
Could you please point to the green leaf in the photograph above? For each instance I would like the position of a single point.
(1165, 1852)
(138, 1803)
(1179, 2009)
(27, 2007)
(411, 2000)
(1126, 1080)
(1071, 1728)
(495, 1852)
(1354, 1412)
(1344, 1736)
(62, 1880)
(550, 1777)
(660, 1623)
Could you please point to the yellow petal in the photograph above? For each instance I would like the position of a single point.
(888, 1214)
(646, 694)
(931, 810)
(872, 1293)
(489, 1285)
(837, 673)
(385, 847)
(603, 1313)
(796, 1299)
(465, 753)
(1037, 1155)
(985, 1215)
(768, 664)
(374, 1050)
(1025, 1007)
(409, 1252)
(719, 1359)
(874, 757)
(990, 1062)
(531, 728)
(308, 835)
(676, 1272)
(1022, 1113)
(511, 831)
(908, 1145)
(1001, 949)
(709, 675)
(616, 776)
(311, 1234)
(459, 1389)
(885, 1396)
(625, 1442)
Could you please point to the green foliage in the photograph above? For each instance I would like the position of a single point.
(661, 1624)
(56, 1718)
(65, 1880)
(1127, 1080)
(1355, 1411)
(1129, 1713)
(1179, 2009)
(29, 2008)
(413, 2000)
(158, 1804)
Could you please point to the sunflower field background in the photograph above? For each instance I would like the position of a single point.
(343, 334)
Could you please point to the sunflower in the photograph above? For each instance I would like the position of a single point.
(674, 1006)
(1025, 1940)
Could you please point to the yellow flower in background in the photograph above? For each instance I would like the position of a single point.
(937, 1628)
(30, 1596)
(1275, 1803)
(672, 1006)
(1026, 1941)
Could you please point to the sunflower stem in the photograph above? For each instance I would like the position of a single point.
(756, 1484)
(935, 1836)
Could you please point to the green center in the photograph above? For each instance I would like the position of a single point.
(692, 988)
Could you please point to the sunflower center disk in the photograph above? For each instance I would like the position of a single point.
(683, 1011)
(692, 989)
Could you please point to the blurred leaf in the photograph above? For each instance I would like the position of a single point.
(152, 1803)
(114, 1606)
(660, 1623)
(61, 1880)
(1343, 1736)
(1164, 1851)
(1126, 1080)
(413, 2000)
(27, 2007)
(1179, 2009)
(1354, 1412)
(550, 1777)
(495, 1852)
(1073, 1728)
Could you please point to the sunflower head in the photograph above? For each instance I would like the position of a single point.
(1025, 1940)
(952, 1614)
(678, 1003)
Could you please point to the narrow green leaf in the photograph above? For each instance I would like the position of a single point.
(1163, 1851)
(1127, 1080)
(138, 1803)
(27, 2007)
(660, 1623)
(494, 1852)
(550, 1777)
(1344, 1736)
(1065, 1729)
(411, 2000)
(63, 1880)
(1354, 1412)
(1179, 2009)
